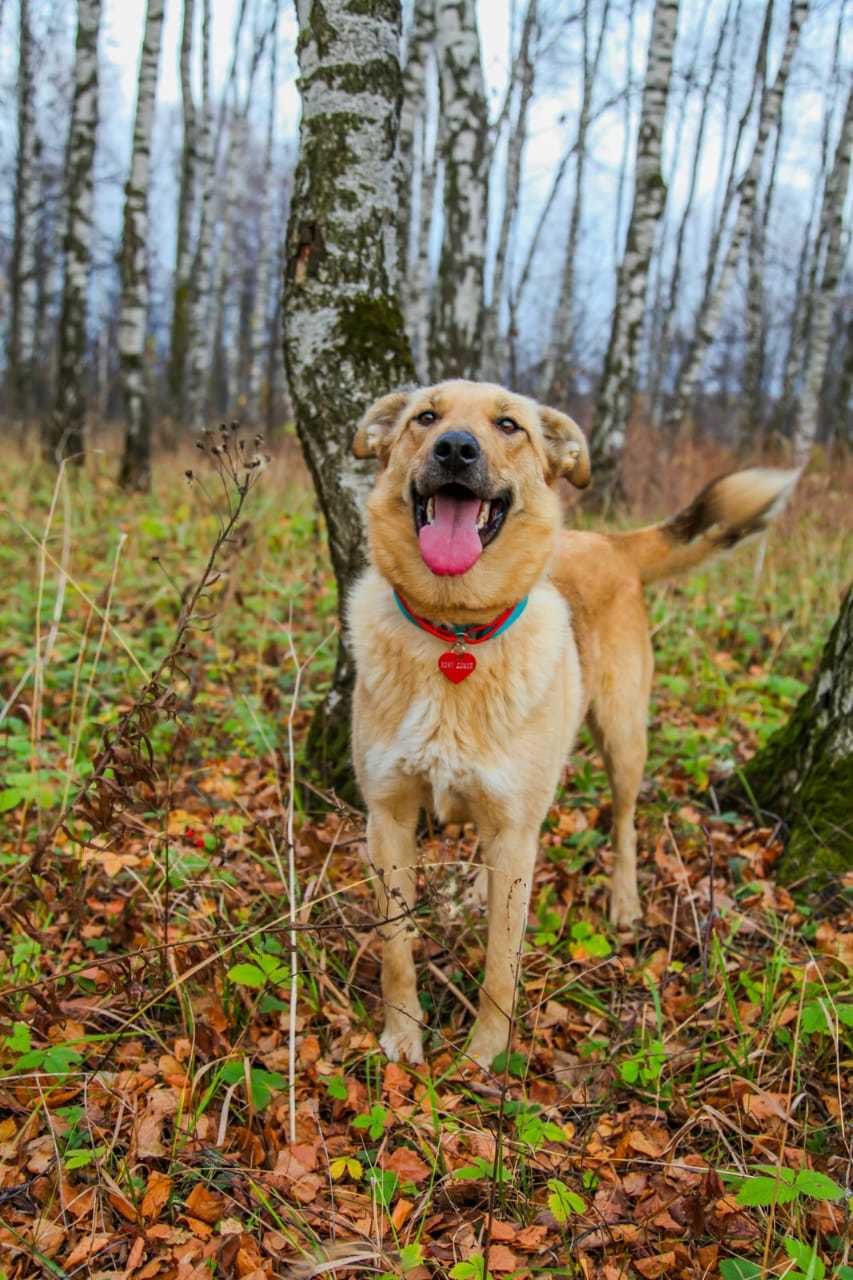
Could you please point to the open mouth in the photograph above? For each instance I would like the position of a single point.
(454, 525)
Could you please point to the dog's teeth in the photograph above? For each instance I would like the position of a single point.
(483, 517)
(430, 510)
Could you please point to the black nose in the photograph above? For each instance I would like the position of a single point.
(456, 450)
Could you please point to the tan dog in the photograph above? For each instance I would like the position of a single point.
(464, 523)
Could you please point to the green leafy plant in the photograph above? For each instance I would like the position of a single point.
(55, 1060)
(774, 1186)
(562, 1201)
(259, 971)
(585, 941)
(374, 1121)
(384, 1183)
(472, 1268)
(262, 1084)
(645, 1066)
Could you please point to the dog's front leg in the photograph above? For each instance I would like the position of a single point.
(510, 859)
(392, 852)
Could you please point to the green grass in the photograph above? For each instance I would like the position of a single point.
(147, 978)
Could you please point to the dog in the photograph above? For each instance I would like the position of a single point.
(483, 634)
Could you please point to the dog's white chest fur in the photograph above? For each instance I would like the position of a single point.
(467, 743)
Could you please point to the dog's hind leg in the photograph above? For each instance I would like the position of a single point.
(619, 729)
(510, 858)
(392, 852)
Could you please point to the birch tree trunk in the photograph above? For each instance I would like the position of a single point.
(620, 365)
(710, 312)
(670, 308)
(805, 772)
(23, 284)
(525, 72)
(412, 124)
(626, 134)
(260, 320)
(186, 207)
(340, 306)
(806, 420)
(552, 387)
(64, 432)
(456, 338)
(197, 362)
(133, 319)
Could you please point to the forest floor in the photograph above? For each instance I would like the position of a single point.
(189, 1091)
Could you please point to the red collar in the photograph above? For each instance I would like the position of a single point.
(472, 633)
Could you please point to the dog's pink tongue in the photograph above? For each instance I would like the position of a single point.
(451, 544)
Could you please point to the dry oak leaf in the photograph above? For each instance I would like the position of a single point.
(503, 1231)
(407, 1164)
(205, 1204)
(647, 1144)
(402, 1210)
(47, 1236)
(653, 1268)
(160, 1104)
(397, 1083)
(156, 1194)
(85, 1249)
(137, 1253)
(531, 1238)
(502, 1259)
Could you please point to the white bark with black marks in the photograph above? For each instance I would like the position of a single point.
(186, 205)
(707, 321)
(524, 72)
(23, 288)
(807, 416)
(64, 434)
(620, 366)
(456, 337)
(133, 319)
(552, 387)
(260, 317)
(198, 345)
(344, 338)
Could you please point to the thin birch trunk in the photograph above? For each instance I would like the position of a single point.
(340, 304)
(456, 338)
(412, 126)
(64, 432)
(669, 309)
(416, 291)
(751, 417)
(626, 135)
(186, 208)
(23, 282)
(524, 72)
(620, 366)
(553, 387)
(260, 321)
(198, 366)
(711, 309)
(807, 418)
(133, 319)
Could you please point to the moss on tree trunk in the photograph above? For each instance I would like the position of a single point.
(804, 774)
(344, 339)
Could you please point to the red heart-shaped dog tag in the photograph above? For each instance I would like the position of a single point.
(456, 666)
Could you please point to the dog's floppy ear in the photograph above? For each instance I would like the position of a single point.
(566, 446)
(374, 429)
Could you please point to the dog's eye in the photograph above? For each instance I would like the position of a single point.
(427, 418)
(507, 425)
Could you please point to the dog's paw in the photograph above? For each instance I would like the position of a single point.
(487, 1042)
(625, 909)
(402, 1039)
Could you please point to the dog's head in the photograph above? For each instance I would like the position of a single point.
(463, 516)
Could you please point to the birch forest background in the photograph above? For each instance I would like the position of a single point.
(578, 216)
(266, 215)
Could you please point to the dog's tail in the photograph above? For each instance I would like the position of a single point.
(729, 510)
